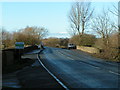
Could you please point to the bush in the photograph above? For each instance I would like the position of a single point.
(52, 42)
(110, 50)
(83, 40)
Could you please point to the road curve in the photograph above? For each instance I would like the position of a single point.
(77, 69)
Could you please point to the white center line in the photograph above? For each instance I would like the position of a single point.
(88, 64)
(114, 72)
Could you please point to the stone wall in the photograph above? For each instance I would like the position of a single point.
(7, 57)
(88, 49)
(11, 56)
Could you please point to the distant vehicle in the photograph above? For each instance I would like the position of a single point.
(71, 46)
(41, 46)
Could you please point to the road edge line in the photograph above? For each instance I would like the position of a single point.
(50, 72)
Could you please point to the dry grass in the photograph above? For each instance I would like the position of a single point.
(110, 54)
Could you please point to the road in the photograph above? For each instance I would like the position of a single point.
(77, 69)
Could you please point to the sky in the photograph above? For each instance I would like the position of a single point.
(51, 15)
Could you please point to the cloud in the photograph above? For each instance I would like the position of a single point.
(62, 32)
(59, 35)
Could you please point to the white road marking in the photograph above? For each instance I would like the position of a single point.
(65, 55)
(70, 58)
(87, 64)
(52, 74)
(114, 72)
(97, 67)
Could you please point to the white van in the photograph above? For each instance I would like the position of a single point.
(71, 46)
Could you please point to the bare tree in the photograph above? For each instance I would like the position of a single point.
(103, 26)
(38, 32)
(6, 38)
(30, 35)
(115, 10)
(41, 32)
(0, 36)
(79, 16)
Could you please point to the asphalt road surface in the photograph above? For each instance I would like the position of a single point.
(77, 69)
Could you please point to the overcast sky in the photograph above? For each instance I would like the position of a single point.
(51, 15)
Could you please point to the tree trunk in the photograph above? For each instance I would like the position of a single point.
(83, 29)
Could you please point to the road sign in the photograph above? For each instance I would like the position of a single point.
(19, 45)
